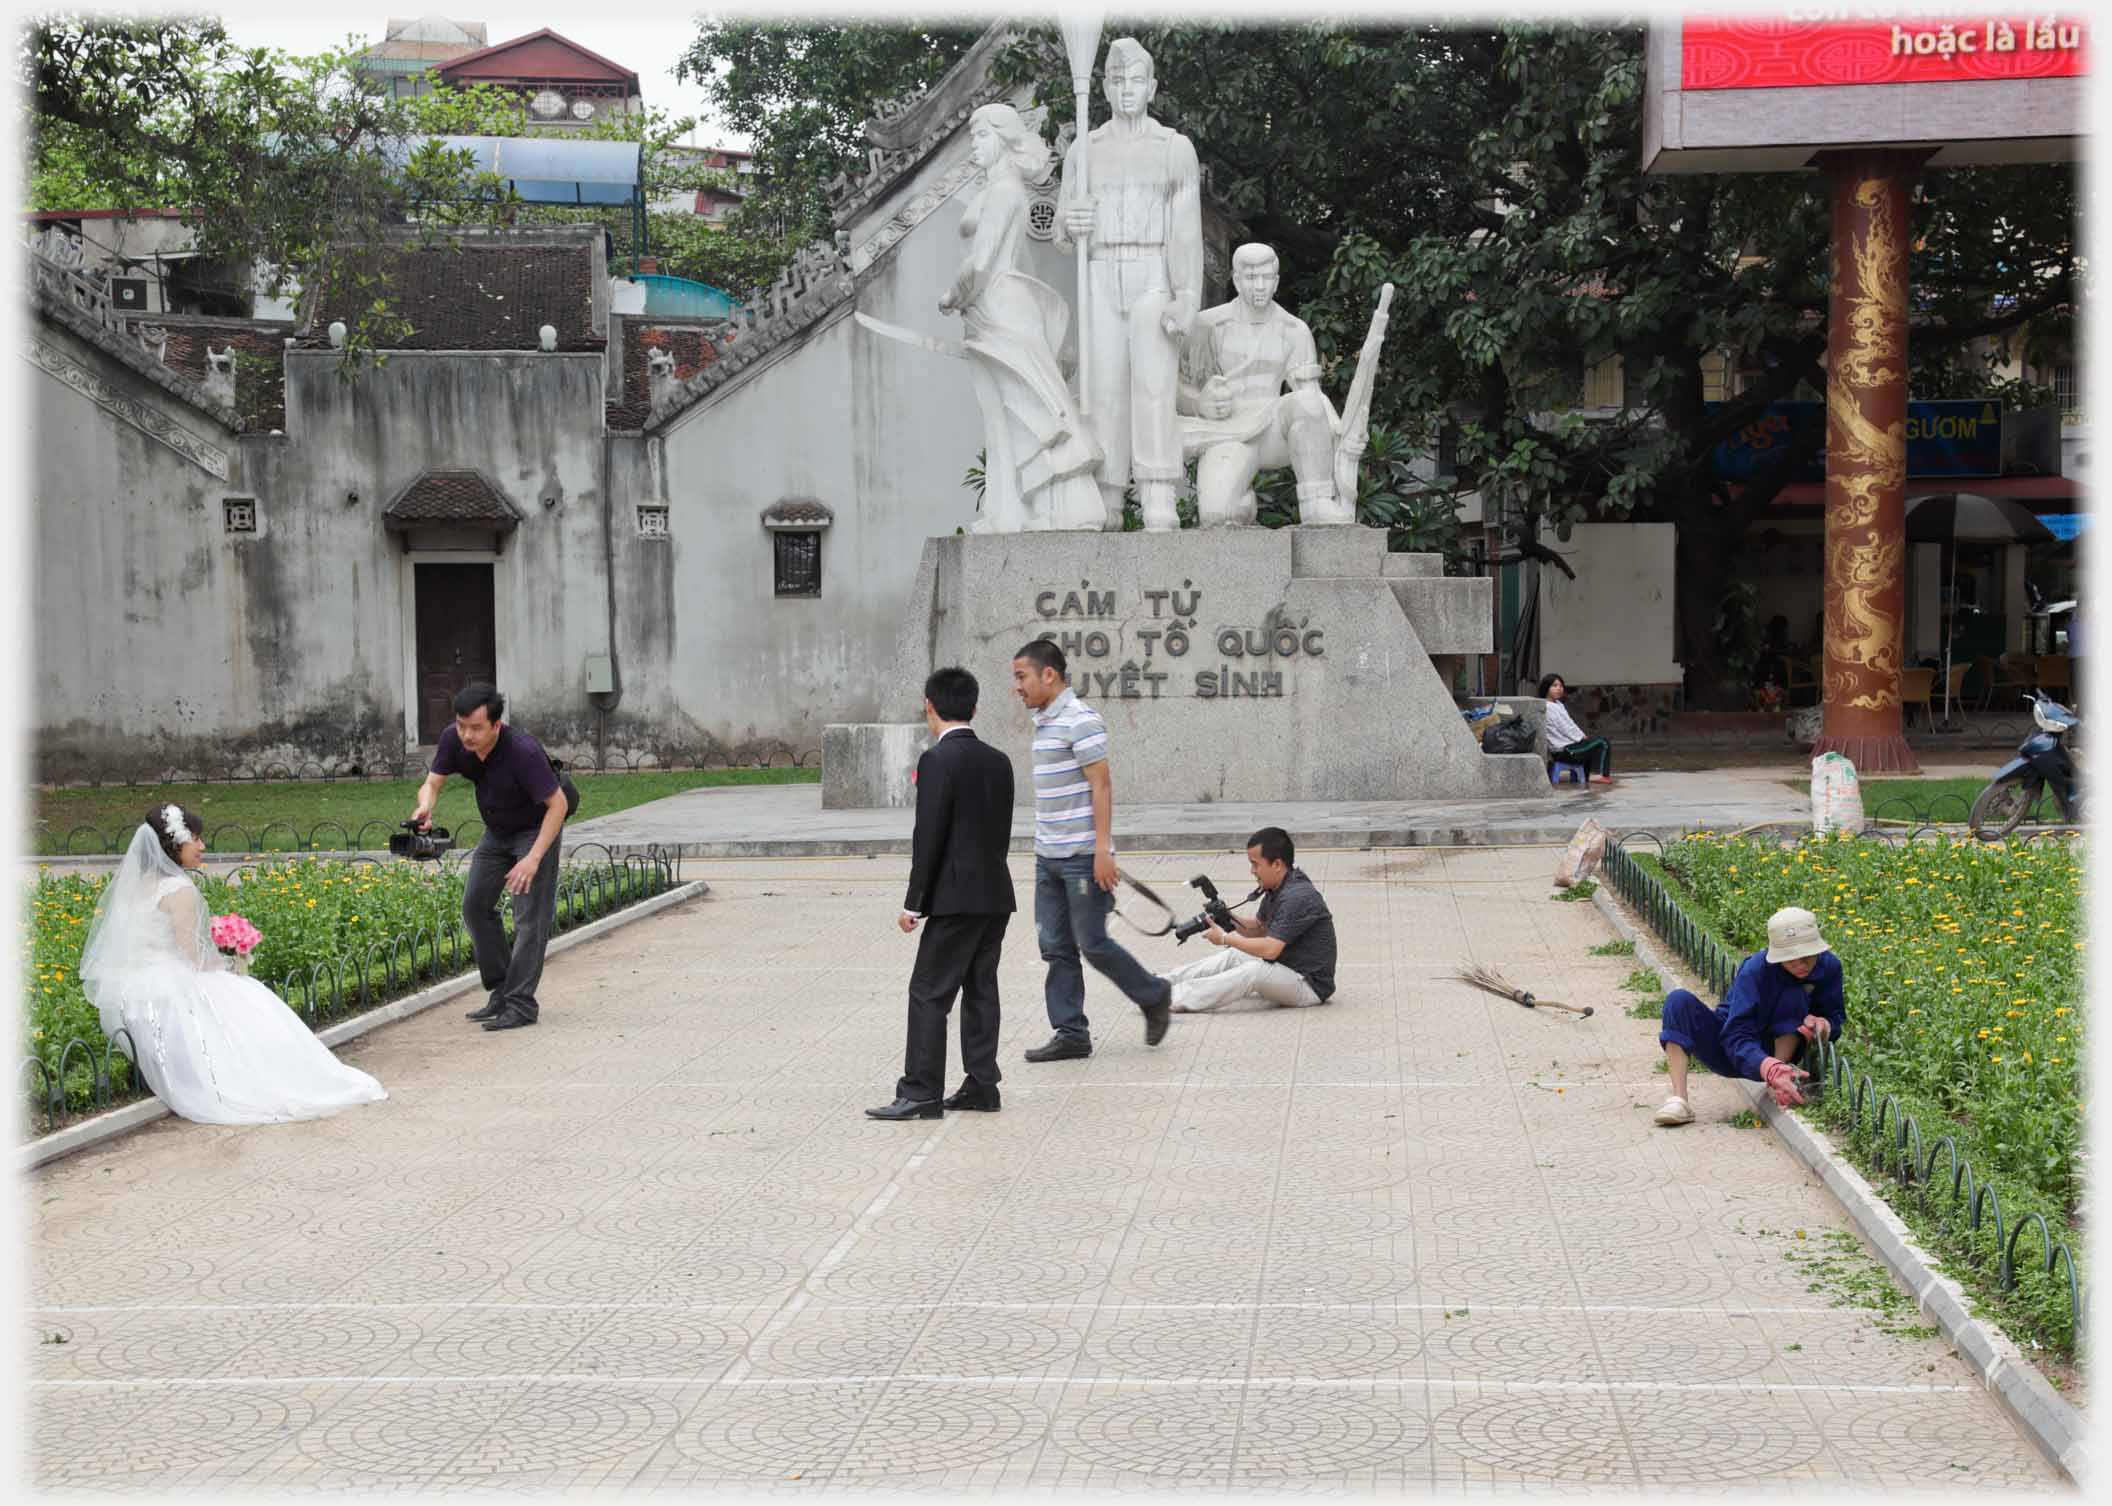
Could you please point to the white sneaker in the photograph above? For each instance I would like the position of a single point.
(1675, 1111)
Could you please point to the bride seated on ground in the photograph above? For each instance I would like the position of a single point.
(215, 1046)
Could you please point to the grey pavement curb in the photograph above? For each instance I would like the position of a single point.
(106, 1127)
(2047, 1418)
(2043, 1413)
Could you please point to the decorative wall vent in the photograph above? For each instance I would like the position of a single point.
(239, 514)
(1041, 217)
(652, 522)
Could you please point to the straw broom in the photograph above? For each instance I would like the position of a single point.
(1488, 980)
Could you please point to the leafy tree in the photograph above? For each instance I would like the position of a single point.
(282, 163)
(1492, 173)
(730, 260)
(800, 92)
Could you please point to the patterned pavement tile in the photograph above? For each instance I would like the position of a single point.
(1363, 1250)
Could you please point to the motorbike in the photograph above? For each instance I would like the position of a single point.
(2042, 762)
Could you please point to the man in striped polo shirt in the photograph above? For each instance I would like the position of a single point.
(1074, 858)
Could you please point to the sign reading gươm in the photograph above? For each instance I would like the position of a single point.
(1949, 437)
(1842, 45)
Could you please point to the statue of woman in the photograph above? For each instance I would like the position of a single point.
(1039, 456)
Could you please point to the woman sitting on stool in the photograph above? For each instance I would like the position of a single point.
(1566, 741)
(1781, 1001)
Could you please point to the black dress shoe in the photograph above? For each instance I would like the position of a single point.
(1060, 1048)
(973, 1095)
(909, 1108)
(491, 1011)
(510, 1019)
(1156, 1018)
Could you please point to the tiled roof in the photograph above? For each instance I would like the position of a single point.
(693, 347)
(451, 497)
(798, 512)
(260, 391)
(477, 294)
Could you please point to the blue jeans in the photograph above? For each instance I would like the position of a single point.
(1070, 919)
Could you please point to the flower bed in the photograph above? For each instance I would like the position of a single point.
(1964, 967)
(338, 937)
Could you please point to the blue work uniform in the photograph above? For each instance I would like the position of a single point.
(1734, 1038)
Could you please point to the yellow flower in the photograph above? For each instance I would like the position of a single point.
(1994, 1058)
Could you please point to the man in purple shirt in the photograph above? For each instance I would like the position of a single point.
(524, 809)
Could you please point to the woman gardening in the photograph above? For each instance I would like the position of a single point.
(1780, 1000)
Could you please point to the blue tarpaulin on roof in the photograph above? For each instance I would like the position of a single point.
(548, 169)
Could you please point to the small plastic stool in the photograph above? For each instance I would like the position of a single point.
(1560, 772)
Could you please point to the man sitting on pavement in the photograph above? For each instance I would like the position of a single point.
(1285, 954)
(1781, 1000)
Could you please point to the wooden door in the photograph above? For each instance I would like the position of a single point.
(457, 639)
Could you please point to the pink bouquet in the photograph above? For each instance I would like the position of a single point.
(234, 936)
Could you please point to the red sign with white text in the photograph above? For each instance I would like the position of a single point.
(1800, 49)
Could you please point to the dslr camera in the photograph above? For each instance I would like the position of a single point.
(1214, 909)
(422, 846)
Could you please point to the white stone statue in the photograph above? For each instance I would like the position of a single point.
(1142, 223)
(1038, 457)
(220, 374)
(1238, 420)
(659, 375)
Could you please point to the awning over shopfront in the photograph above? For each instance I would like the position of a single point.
(2045, 494)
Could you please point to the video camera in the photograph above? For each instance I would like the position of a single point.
(420, 846)
(1215, 911)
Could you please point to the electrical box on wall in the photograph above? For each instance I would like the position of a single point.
(601, 675)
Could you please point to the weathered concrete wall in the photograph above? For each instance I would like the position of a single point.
(529, 421)
(167, 643)
(880, 433)
(1613, 624)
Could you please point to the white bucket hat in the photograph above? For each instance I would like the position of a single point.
(1794, 933)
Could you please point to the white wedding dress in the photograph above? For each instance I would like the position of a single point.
(214, 1045)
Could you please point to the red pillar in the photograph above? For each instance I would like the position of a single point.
(1866, 460)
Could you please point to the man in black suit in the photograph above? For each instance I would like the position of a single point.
(961, 889)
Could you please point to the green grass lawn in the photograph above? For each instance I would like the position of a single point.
(1930, 799)
(340, 808)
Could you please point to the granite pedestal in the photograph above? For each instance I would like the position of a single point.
(1241, 664)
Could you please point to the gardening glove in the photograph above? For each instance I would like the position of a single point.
(1816, 1027)
(1781, 1079)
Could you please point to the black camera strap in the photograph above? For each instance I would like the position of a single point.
(1136, 915)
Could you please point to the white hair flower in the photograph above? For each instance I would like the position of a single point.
(172, 822)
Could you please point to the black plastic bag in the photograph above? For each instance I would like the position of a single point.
(1514, 735)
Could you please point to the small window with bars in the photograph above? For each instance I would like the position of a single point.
(798, 561)
(652, 522)
(239, 514)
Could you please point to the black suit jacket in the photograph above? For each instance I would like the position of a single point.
(964, 829)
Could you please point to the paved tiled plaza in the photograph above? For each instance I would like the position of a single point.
(1418, 1238)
